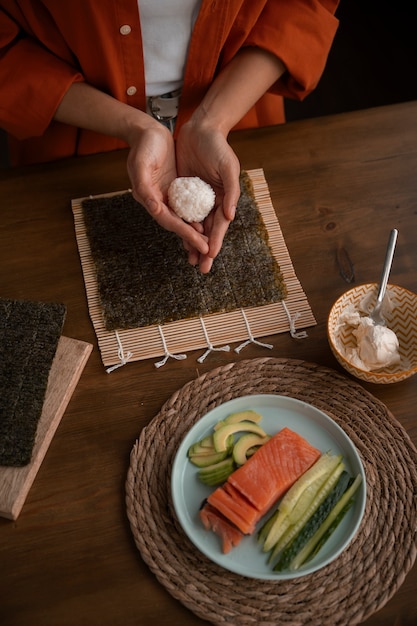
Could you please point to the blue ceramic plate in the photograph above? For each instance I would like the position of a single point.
(277, 412)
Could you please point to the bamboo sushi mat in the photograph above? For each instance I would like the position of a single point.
(194, 333)
(345, 592)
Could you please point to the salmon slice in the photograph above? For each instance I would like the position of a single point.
(271, 471)
(213, 520)
(235, 507)
(257, 485)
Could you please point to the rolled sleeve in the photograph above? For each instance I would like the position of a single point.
(33, 82)
(300, 33)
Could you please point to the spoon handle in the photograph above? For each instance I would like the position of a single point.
(387, 265)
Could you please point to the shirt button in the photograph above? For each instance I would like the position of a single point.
(125, 29)
(131, 91)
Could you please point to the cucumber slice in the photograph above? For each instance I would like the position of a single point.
(311, 526)
(300, 497)
(321, 470)
(293, 529)
(245, 443)
(266, 527)
(329, 525)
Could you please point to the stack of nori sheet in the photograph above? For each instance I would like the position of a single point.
(29, 335)
(143, 274)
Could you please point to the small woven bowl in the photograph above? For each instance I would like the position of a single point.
(402, 319)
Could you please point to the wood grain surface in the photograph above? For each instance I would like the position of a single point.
(338, 185)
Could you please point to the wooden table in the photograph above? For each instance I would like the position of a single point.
(338, 182)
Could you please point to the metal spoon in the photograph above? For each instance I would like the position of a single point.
(376, 314)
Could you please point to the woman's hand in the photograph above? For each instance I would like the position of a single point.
(151, 167)
(203, 151)
(202, 147)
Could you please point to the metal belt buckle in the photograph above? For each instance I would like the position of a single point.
(165, 107)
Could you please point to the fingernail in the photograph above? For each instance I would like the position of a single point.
(151, 206)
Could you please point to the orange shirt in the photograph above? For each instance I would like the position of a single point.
(47, 45)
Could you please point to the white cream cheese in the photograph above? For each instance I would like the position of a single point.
(376, 346)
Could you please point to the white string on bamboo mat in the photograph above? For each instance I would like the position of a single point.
(209, 344)
(123, 359)
(251, 337)
(178, 357)
(292, 319)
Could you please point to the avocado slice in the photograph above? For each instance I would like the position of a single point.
(245, 443)
(217, 473)
(204, 460)
(206, 442)
(239, 416)
(197, 448)
(220, 437)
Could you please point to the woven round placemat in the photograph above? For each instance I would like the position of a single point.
(345, 592)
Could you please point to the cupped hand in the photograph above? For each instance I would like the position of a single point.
(204, 152)
(151, 167)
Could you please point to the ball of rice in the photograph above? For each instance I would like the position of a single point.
(191, 198)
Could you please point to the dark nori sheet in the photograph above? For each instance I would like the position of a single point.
(29, 334)
(143, 274)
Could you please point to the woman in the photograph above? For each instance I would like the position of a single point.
(80, 77)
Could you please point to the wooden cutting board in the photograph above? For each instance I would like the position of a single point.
(69, 361)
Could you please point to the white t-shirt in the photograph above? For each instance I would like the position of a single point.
(166, 30)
